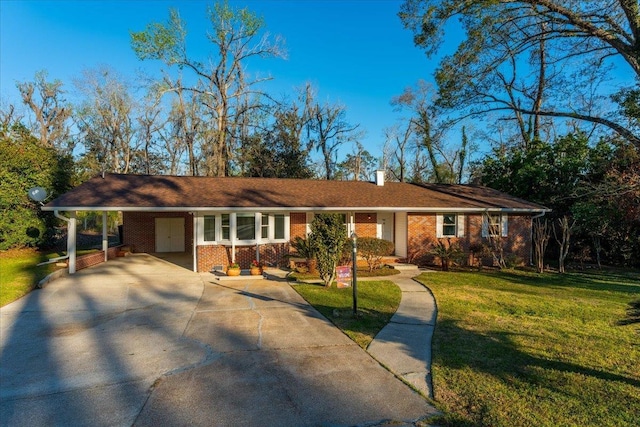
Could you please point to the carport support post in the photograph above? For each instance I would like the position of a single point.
(71, 242)
(105, 239)
(354, 241)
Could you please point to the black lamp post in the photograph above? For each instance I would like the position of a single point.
(354, 242)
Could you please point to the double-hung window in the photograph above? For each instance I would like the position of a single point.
(245, 226)
(209, 228)
(494, 225)
(449, 225)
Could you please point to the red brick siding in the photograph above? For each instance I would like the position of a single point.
(422, 235)
(271, 254)
(297, 224)
(366, 224)
(139, 229)
(95, 258)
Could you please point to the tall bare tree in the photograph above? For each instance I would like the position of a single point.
(222, 82)
(447, 161)
(51, 112)
(330, 130)
(106, 121)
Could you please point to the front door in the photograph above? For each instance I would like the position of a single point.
(385, 225)
(169, 234)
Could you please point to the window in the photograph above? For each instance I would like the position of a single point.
(264, 233)
(449, 225)
(494, 225)
(279, 227)
(209, 228)
(225, 227)
(245, 226)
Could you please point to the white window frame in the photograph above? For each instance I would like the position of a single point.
(503, 221)
(459, 225)
(233, 230)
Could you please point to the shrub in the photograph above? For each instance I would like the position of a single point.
(373, 249)
(448, 253)
(327, 238)
(24, 164)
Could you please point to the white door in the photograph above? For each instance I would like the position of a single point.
(385, 225)
(401, 234)
(169, 234)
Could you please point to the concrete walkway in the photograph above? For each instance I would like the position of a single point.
(404, 345)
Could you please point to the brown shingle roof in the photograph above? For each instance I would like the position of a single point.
(147, 192)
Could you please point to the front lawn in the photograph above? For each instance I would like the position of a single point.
(19, 273)
(522, 349)
(377, 302)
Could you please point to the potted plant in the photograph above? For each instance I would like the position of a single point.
(255, 268)
(233, 269)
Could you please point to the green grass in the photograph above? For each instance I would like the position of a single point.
(521, 349)
(19, 273)
(377, 302)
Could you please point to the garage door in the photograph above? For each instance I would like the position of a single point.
(169, 234)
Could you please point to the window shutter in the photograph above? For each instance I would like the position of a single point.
(439, 224)
(505, 225)
(485, 226)
(460, 224)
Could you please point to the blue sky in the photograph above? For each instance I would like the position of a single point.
(354, 52)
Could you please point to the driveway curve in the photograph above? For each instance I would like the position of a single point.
(140, 341)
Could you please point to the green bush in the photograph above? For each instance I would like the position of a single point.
(24, 164)
(373, 249)
(447, 252)
(327, 238)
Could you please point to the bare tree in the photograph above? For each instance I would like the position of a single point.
(541, 234)
(562, 235)
(51, 113)
(492, 229)
(398, 140)
(330, 129)
(222, 83)
(106, 121)
(447, 161)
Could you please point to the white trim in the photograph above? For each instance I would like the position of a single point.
(292, 209)
(233, 238)
(439, 225)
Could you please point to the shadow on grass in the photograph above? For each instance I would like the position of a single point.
(633, 314)
(622, 281)
(457, 347)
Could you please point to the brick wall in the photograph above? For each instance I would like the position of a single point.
(422, 236)
(366, 224)
(421, 233)
(297, 224)
(95, 258)
(139, 229)
(272, 254)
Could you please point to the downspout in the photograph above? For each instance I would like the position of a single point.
(194, 245)
(540, 215)
(71, 240)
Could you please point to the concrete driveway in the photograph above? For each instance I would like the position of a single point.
(140, 341)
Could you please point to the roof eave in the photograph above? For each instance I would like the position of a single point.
(293, 209)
